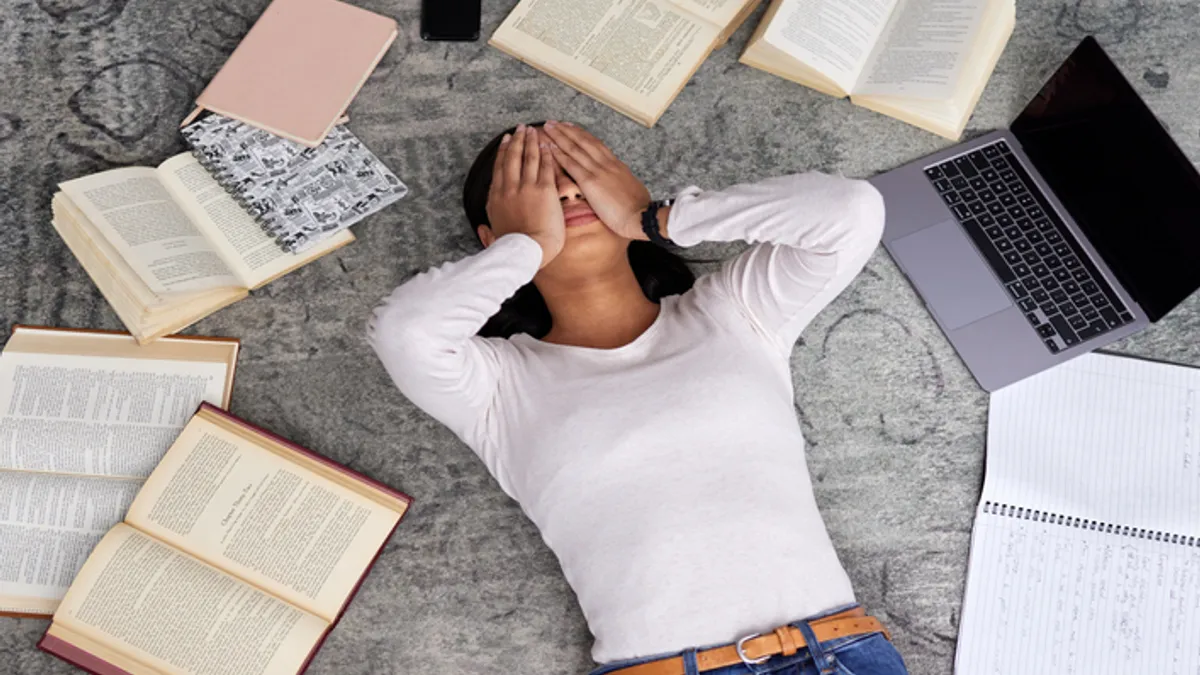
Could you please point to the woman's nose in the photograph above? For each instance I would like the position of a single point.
(567, 189)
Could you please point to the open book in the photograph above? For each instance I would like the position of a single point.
(169, 246)
(1085, 557)
(238, 556)
(633, 55)
(924, 62)
(84, 418)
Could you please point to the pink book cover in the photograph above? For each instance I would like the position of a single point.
(298, 68)
(88, 661)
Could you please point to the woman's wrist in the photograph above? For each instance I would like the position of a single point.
(638, 224)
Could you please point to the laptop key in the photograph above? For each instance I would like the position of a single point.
(1058, 296)
(1040, 296)
(1028, 305)
(995, 208)
(1064, 330)
(1026, 225)
(1068, 309)
(1048, 308)
(1062, 275)
(986, 219)
(952, 197)
(1003, 245)
(1045, 226)
(989, 174)
(1043, 249)
(1018, 291)
(1020, 269)
(1040, 270)
(1062, 249)
(1016, 211)
(1080, 300)
(966, 167)
(1077, 321)
(1005, 220)
(1027, 201)
(949, 169)
(1110, 317)
(968, 195)
(934, 172)
(1008, 176)
(1049, 283)
(987, 195)
(991, 151)
(942, 185)
(977, 207)
(1070, 287)
(1071, 262)
(1036, 212)
(1090, 313)
(1053, 237)
(1126, 317)
(1089, 287)
(994, 232)
(959, 183)
(1052, 262)
(978, 183)
(1052, 346)
(1045, 330)
(1013, 258)
(1035, 237)
(961, 211)
(1032, 258)
(1012, 232)
(1031, 282)
(1081, 275)
(1098, 300)
(978, 159)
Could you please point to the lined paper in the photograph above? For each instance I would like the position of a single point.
(1107, 446)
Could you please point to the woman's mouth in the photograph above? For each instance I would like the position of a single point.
(574, 216)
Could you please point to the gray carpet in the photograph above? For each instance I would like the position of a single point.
(895, 423)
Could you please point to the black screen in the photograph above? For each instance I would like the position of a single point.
(1112, 164)
(450, 19)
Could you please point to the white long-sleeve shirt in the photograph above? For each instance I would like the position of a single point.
(667, 475)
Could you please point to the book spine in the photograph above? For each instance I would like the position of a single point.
(1035, 515)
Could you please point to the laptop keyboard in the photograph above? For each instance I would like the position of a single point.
(1036, 257)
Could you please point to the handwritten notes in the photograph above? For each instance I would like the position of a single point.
(1085, 556)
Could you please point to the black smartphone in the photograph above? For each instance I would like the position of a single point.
(456, 20)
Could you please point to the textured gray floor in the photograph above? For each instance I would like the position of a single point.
(895, 424)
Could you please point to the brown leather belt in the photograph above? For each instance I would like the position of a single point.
(785, 640)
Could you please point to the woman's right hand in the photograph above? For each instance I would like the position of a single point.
(524, 193)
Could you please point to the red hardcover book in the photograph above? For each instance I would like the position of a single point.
(241, 548)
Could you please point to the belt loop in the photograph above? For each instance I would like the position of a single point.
(690, 667)
(824, 663)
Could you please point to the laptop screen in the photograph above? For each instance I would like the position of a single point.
(1129, 187)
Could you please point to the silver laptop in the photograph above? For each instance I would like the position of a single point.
(1074, 229)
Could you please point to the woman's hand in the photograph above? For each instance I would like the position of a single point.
(524, 194)
(610, 188)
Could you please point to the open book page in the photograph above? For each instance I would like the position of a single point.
(923, 49)
(175, 614)
(719, 13)
(267, 520)
(833, 37)
(135, 213)
(252, 255)
(106, 416)
(634, 55)
(48, 526)
(1101, 437)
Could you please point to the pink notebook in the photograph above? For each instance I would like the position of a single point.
(296, 71)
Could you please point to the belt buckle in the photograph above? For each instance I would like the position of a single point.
(741, 652)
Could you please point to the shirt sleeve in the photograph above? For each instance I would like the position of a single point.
(425, 333)
(812, 234)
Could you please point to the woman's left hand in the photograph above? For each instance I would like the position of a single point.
(610, 188)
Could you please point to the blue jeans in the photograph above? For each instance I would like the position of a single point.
(870, 654)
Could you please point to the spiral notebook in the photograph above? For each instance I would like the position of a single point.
(1085, 556)
(300, 195)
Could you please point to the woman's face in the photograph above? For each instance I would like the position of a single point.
(588, 240)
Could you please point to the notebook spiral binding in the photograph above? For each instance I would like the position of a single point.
(224, 178)
(1022, 513)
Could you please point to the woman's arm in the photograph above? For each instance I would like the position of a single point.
(424, 332)
(813, 234)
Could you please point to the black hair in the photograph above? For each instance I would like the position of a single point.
(659, 271)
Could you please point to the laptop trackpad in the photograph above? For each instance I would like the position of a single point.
(950, 274)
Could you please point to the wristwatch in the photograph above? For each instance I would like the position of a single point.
(650, 223)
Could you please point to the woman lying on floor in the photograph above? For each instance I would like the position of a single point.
(643, 418)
